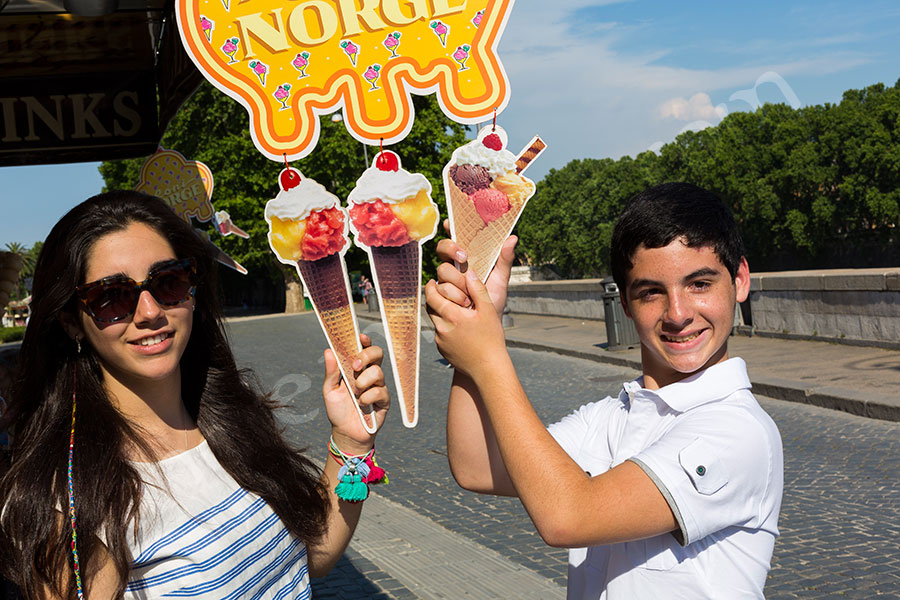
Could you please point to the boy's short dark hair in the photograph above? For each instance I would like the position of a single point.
(666, 212)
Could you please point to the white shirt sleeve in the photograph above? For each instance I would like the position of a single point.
(715, 468)
(576, 433)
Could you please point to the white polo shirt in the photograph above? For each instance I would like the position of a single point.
(716, 457)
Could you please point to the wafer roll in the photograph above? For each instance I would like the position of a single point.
(531, 152)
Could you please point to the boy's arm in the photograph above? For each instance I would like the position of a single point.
(569, 508)
(475, 459)
(471, 446)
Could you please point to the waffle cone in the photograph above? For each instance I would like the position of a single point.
(398, 277)
(481, 242)
(326, 282)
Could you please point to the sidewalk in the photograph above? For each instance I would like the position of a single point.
(856, 379)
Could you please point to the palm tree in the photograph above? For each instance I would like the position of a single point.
(16, 262)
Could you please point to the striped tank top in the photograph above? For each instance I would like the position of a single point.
(203, 536)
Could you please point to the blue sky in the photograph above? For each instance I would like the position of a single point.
(606, 79)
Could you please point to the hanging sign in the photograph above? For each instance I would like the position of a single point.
(187, 186)
(289, 61)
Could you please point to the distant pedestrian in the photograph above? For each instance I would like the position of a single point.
(670, 490)
(369, 296)
(364, 287)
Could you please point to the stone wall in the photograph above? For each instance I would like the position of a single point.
(579, 298)
(843, 305)
(848, 305)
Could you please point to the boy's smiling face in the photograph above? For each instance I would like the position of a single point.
(682, 302)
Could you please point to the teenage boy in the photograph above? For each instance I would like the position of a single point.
(670, 490)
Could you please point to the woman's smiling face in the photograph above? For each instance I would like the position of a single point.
(148, 345)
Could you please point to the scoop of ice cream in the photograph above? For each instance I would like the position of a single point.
(324, 234)
(470, 178)
(306, 222)
(377, 225)
(286, 238)
(518, 188)
(491, 204)
(419, 214)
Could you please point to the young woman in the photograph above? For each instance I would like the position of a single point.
(129, 407)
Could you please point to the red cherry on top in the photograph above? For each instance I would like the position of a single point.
(387, 161)
(289, 178)
(493, 141)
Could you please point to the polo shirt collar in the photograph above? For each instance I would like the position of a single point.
(714, 383)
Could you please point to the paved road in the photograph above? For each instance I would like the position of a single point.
(840, 519)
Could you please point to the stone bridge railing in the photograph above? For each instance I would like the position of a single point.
(860, 306)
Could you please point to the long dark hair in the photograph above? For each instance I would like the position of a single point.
(232, 414)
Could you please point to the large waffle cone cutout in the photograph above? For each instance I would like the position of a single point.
(398, 277)
(328, 287)
(483, 175)
(482, 242)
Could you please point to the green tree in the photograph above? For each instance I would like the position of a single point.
(214, 129)
(569, 221)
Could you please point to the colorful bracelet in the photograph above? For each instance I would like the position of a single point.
(356, 473)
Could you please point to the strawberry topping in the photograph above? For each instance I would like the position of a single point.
(377, 225)
(324, 234)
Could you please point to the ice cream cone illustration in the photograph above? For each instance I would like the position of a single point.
(207, 26)
(476, 20)
(371, 75)
(282, 93)
(260, 68)
(486, 194)
(226, 227)
(308, 229)
(461, 56)
(441, 30)
(391, 216)
(351, 50)
(391, 42)
(225, 3)
(230, 47)
(300, 62)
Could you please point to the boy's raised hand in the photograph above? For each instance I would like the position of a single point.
(470, 338)
(451, 281)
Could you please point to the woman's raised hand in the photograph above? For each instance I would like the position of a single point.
(347, 429)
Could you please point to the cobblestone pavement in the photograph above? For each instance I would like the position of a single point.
(840, 518)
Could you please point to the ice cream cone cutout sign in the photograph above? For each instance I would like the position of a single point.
(308, 230)
(391, 216)
(185, 185)
(486, 194)
(288, 62)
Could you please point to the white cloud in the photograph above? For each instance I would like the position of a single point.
(699, 107)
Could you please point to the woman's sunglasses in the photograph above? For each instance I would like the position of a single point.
(115, 298)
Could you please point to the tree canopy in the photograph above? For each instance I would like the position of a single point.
(814, 187)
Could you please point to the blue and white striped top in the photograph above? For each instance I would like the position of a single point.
(203, 536)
